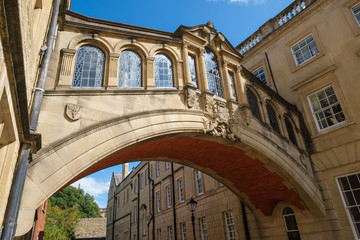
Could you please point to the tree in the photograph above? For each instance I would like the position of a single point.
(71, 196)
(60, 223)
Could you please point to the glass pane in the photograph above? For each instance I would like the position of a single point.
(354, 181)
(344, 184)
(214, 79)
(163, 71)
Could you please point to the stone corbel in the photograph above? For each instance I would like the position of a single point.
(191, 97)
(208, 102)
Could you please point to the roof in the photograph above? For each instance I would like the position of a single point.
(91, 228)
(118, 178)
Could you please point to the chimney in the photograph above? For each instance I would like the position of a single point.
(125, 170)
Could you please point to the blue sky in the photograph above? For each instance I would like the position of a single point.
(236, 19)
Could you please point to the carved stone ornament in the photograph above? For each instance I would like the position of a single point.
(192, 100)
(246, 115)
(73, 111)
(216, 127)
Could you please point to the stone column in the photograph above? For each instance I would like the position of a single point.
(150, 80)
(114, 70)
(227, 85)
(66, 69)
(187, 74)
(240, 82)
(203, 83)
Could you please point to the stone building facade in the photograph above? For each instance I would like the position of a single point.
(141, 209)
(286, 143)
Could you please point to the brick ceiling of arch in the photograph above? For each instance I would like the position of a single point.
(264, 188)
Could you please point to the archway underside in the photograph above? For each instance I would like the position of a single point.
(264, 188)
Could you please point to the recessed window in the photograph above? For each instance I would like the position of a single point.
(170, 233)
(290, 131)
(350, 190)
(198, 182)
(356, 12)
(272, 118)
(158, 202)
(230, 226)
(203, 229)
(168, 196)
(163, 71)
(135, 186)
(213, 74)
(130, 70)
(253, 103)
(290, 224)
(167, 165)
(89, 67)
(183, 230)
(181, 190)
(259, 73)
(326, 108)
(141, 181)
(232, 84)
(157, 168)
(158, 231)
(305, 50)
(192, 67)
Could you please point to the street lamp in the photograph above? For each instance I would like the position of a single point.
(192, 206)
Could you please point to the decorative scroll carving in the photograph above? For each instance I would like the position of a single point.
(192, 99)
(73, 111)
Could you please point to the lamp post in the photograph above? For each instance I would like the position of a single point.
(192, 206)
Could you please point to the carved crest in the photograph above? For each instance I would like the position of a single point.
(217, 127)
(73, 111)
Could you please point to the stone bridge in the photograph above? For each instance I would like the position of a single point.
(192, 103)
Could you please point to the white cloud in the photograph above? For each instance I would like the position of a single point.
(92, 186)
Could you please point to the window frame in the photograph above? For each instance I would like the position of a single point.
(198, 176)
(196, 78)
(170, 232)
(263, 74)
(181, 190)
(323, 109)
(230, 227)
(352, 12)
(157, 168)
(171, 68)
(289, 232)
(140, 65)
(233, 85)
(305, 46)
(255, 110)
(203, 228)
(346, 208)
(168, 196)
(218, 89)
(158, 201)
(183, 231)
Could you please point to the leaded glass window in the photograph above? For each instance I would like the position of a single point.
(253, 104)
(356, 12)
(232, 84)
(305, 50)
(290, 224)
(192, 70)
(350, 190)
(213, 74)
(272, 118)
(326, 108)
(89, 67)
(130, 70)
(163, 71)
(290, 130)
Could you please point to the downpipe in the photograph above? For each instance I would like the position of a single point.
(14, 201)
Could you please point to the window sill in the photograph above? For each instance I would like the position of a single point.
(334, 128)
(302, 65)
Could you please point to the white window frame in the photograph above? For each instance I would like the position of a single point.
(168, 196)
(144, 225)
(167, 165)
(356, 232)
(158, 231)
(134, 210)
(180, 182)
(158, 201)
(305, 46)
(147, 176)
(230, 226)
(355, 15)
(157, 168)
(258, 75)
(199, 183)
(203, 229)
(323, 109)
(141, 181)
(170, 232)
(183, 230)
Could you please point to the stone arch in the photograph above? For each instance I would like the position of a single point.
(165, 49)
(132, 45)
(96, 40)
(170, 135)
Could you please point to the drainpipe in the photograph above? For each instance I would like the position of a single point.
(272, 77)
(14, 201)
(246, 227)
(138, 209)
(173, 197)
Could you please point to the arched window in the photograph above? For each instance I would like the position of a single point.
(163, 71)
(89, 67)
(272, 118)
(130, 69)
(290, 130)
(253, 103)
(213, 74)
(290, 224)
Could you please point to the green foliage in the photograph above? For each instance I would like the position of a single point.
(60, 223)
(71, 196)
